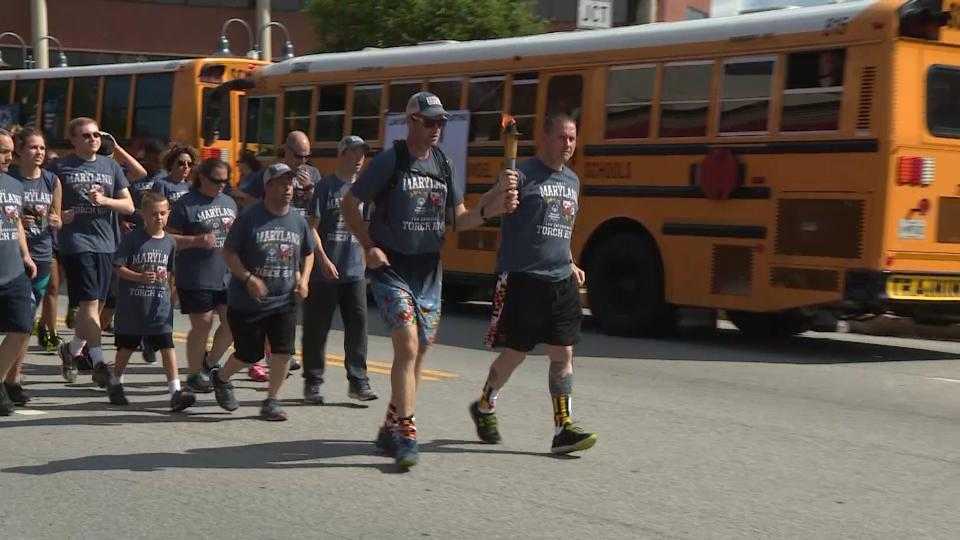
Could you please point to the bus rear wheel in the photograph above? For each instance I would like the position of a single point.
(625, 287)
(770, 325)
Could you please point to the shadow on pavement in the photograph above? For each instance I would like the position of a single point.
(273, 455)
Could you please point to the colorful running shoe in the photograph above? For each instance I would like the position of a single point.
(572, 438)
(68, 364)
(258, 373)
(486, 424)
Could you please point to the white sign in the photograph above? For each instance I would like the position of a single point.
(594, 13)
(453, 140)
(912, 229)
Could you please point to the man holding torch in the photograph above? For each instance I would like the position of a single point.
(416, 197)
(537, 297)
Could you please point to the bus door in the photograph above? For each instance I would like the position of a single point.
(565, 95)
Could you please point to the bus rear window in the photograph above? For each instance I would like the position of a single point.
(943, 101)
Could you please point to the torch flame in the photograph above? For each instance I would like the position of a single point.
(507, 122)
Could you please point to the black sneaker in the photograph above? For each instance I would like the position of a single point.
(486, 424)
(101, 375)
(313, 393)
(149, 355)
(223, 391)
(182, 399)
(295, 365)
(84, 362)
(361, 391)
(68, 364)
(406, 451)
(572, 438)
(6, 404)
(384, 441)
(16, 394)
(116, 394)
(199, 383)
(271, 411)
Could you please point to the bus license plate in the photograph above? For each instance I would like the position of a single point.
(923, 288)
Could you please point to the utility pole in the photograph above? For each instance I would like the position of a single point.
(38, 24)
(263, 19)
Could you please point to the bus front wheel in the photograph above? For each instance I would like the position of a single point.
(770, 325)
(625, 287)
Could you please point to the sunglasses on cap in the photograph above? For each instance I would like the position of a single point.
(430, 122)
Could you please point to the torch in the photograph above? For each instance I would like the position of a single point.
(510, 139)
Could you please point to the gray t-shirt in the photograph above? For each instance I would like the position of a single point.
(252, 185)
(144, 309)
(94, 228)
(37, 199)
(137, 189)
(171, 190)
(409, 217)
(273, 248)
(193, 214)
(338, 242)
(11, 203)
(536, 237)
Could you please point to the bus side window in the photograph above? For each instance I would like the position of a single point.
(331, 110)
(85, 90)
(565, 96)
(152, 106)
(523, 104)
(5, 87)
(54, 109)
(486, 106)
(261, 118)
(686, 99)
(745, 102)
(296, 110)
(629, 101)
(365, 122)
(116, 100)
(400, 93)
(449, 91)
(814, 89)
(25, 96)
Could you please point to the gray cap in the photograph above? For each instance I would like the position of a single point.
(427, 105)
(276, 170)
(350, 142)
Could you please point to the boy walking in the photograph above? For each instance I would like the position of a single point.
(144, 313)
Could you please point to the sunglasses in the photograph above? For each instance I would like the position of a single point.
(431, 122)
(90, 136)
(184, 164)
(216, 180)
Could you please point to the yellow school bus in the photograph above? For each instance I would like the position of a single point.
(768, 165)
(168, 100)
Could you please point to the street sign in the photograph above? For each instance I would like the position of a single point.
(594, 14)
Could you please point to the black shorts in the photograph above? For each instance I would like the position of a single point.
(157, 342)
(538, 311)
(88, 276)
(250, 333)
(16, 306)
(200, 300)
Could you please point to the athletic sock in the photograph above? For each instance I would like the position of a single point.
(562, 409)
(488, 400)
(76, 345)
(173, 386)
(96, 355)
(406, 426)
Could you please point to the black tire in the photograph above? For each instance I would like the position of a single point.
(778, 324)
(625, 287)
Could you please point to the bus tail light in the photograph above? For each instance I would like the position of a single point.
(915, 171)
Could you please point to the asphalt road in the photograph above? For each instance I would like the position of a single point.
(706, 435)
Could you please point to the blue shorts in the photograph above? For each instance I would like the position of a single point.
(16, 306)
(407, 293)
(88, 276)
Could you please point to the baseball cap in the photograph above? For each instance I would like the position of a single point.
(350, 142)
(276, 170)
(427, 105)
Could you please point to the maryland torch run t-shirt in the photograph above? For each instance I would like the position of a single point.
(137, 189)
(535, 238)
(409, 217)
(11, 206)
(272, 247)
(144, 309)
(338, 242)
(195, 214)
(171, 190)
(94, 229)
(37, 199)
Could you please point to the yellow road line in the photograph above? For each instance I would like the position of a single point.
(337, 360)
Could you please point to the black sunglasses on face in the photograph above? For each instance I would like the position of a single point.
(91, 135)
(431, 122)
(217, 181)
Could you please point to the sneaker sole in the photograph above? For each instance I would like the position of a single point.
(277, 418)
(359, 397)
(585, 444)
(408, 463)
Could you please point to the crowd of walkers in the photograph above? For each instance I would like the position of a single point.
(135, 237)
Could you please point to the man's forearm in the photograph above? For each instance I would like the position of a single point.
(235, 265)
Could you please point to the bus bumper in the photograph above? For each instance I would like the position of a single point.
(925, 297)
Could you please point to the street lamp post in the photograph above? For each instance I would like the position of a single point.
(62, 56)
(224, 45)
(286, 51)
(27, 60)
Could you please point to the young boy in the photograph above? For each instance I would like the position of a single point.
(144, 312)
